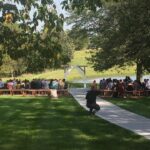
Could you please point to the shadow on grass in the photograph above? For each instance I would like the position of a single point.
(44, 124)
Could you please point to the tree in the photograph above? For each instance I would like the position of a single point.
(12, 67)
(30, 30)
(128, 37)
(68, 46)
(79, 5)
(120, 32)
(79, 37)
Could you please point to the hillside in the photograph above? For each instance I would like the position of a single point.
(80, 59)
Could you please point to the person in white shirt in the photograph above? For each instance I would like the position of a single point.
(147, 84)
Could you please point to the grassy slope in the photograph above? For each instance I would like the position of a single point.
(79, 59)
(44, 124)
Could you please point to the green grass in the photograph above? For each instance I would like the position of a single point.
(139, 106)
(78, 85)
(38, 123)
(80, 59)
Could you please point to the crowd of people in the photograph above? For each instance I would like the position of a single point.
(117, 87)
(120, 86)
(34, 84)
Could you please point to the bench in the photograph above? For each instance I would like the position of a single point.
(5, 91)
(139, 93)
(106, 93)
(61, 92)
(135, 93)
(33, 92)
(147, 92)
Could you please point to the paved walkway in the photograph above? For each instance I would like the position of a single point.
(114, 114)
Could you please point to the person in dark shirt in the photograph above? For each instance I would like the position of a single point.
(91, 100)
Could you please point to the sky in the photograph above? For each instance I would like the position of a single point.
(59, 7)
(60, 10)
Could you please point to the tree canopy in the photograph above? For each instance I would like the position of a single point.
(32, 31)
(120, 31)
(79, 5)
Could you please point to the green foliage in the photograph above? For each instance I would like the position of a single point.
(79, 37)
(124, 35)
(68, 48)
(119, 32)
(12, 67)
(21, 38)
(8, 65)
(79, 5)
(79, 58)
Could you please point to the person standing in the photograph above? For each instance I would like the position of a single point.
(1, 84)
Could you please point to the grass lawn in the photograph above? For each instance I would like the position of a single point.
(38, 123)
(139, 106)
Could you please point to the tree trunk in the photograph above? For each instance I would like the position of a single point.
(139, 71)
(12, 74)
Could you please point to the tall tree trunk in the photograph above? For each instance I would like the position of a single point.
(139, 71)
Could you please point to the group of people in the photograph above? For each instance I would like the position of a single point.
(120, 86)
(34, 84)
(117, 86)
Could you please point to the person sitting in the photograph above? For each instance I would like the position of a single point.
(91, 100)
(121, 88)
(147, 86)
(1, 84)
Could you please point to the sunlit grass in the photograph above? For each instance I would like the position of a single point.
(28, 123)
(139, 106)
(80, 59)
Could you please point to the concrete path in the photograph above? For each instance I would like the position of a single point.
(116, 115)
